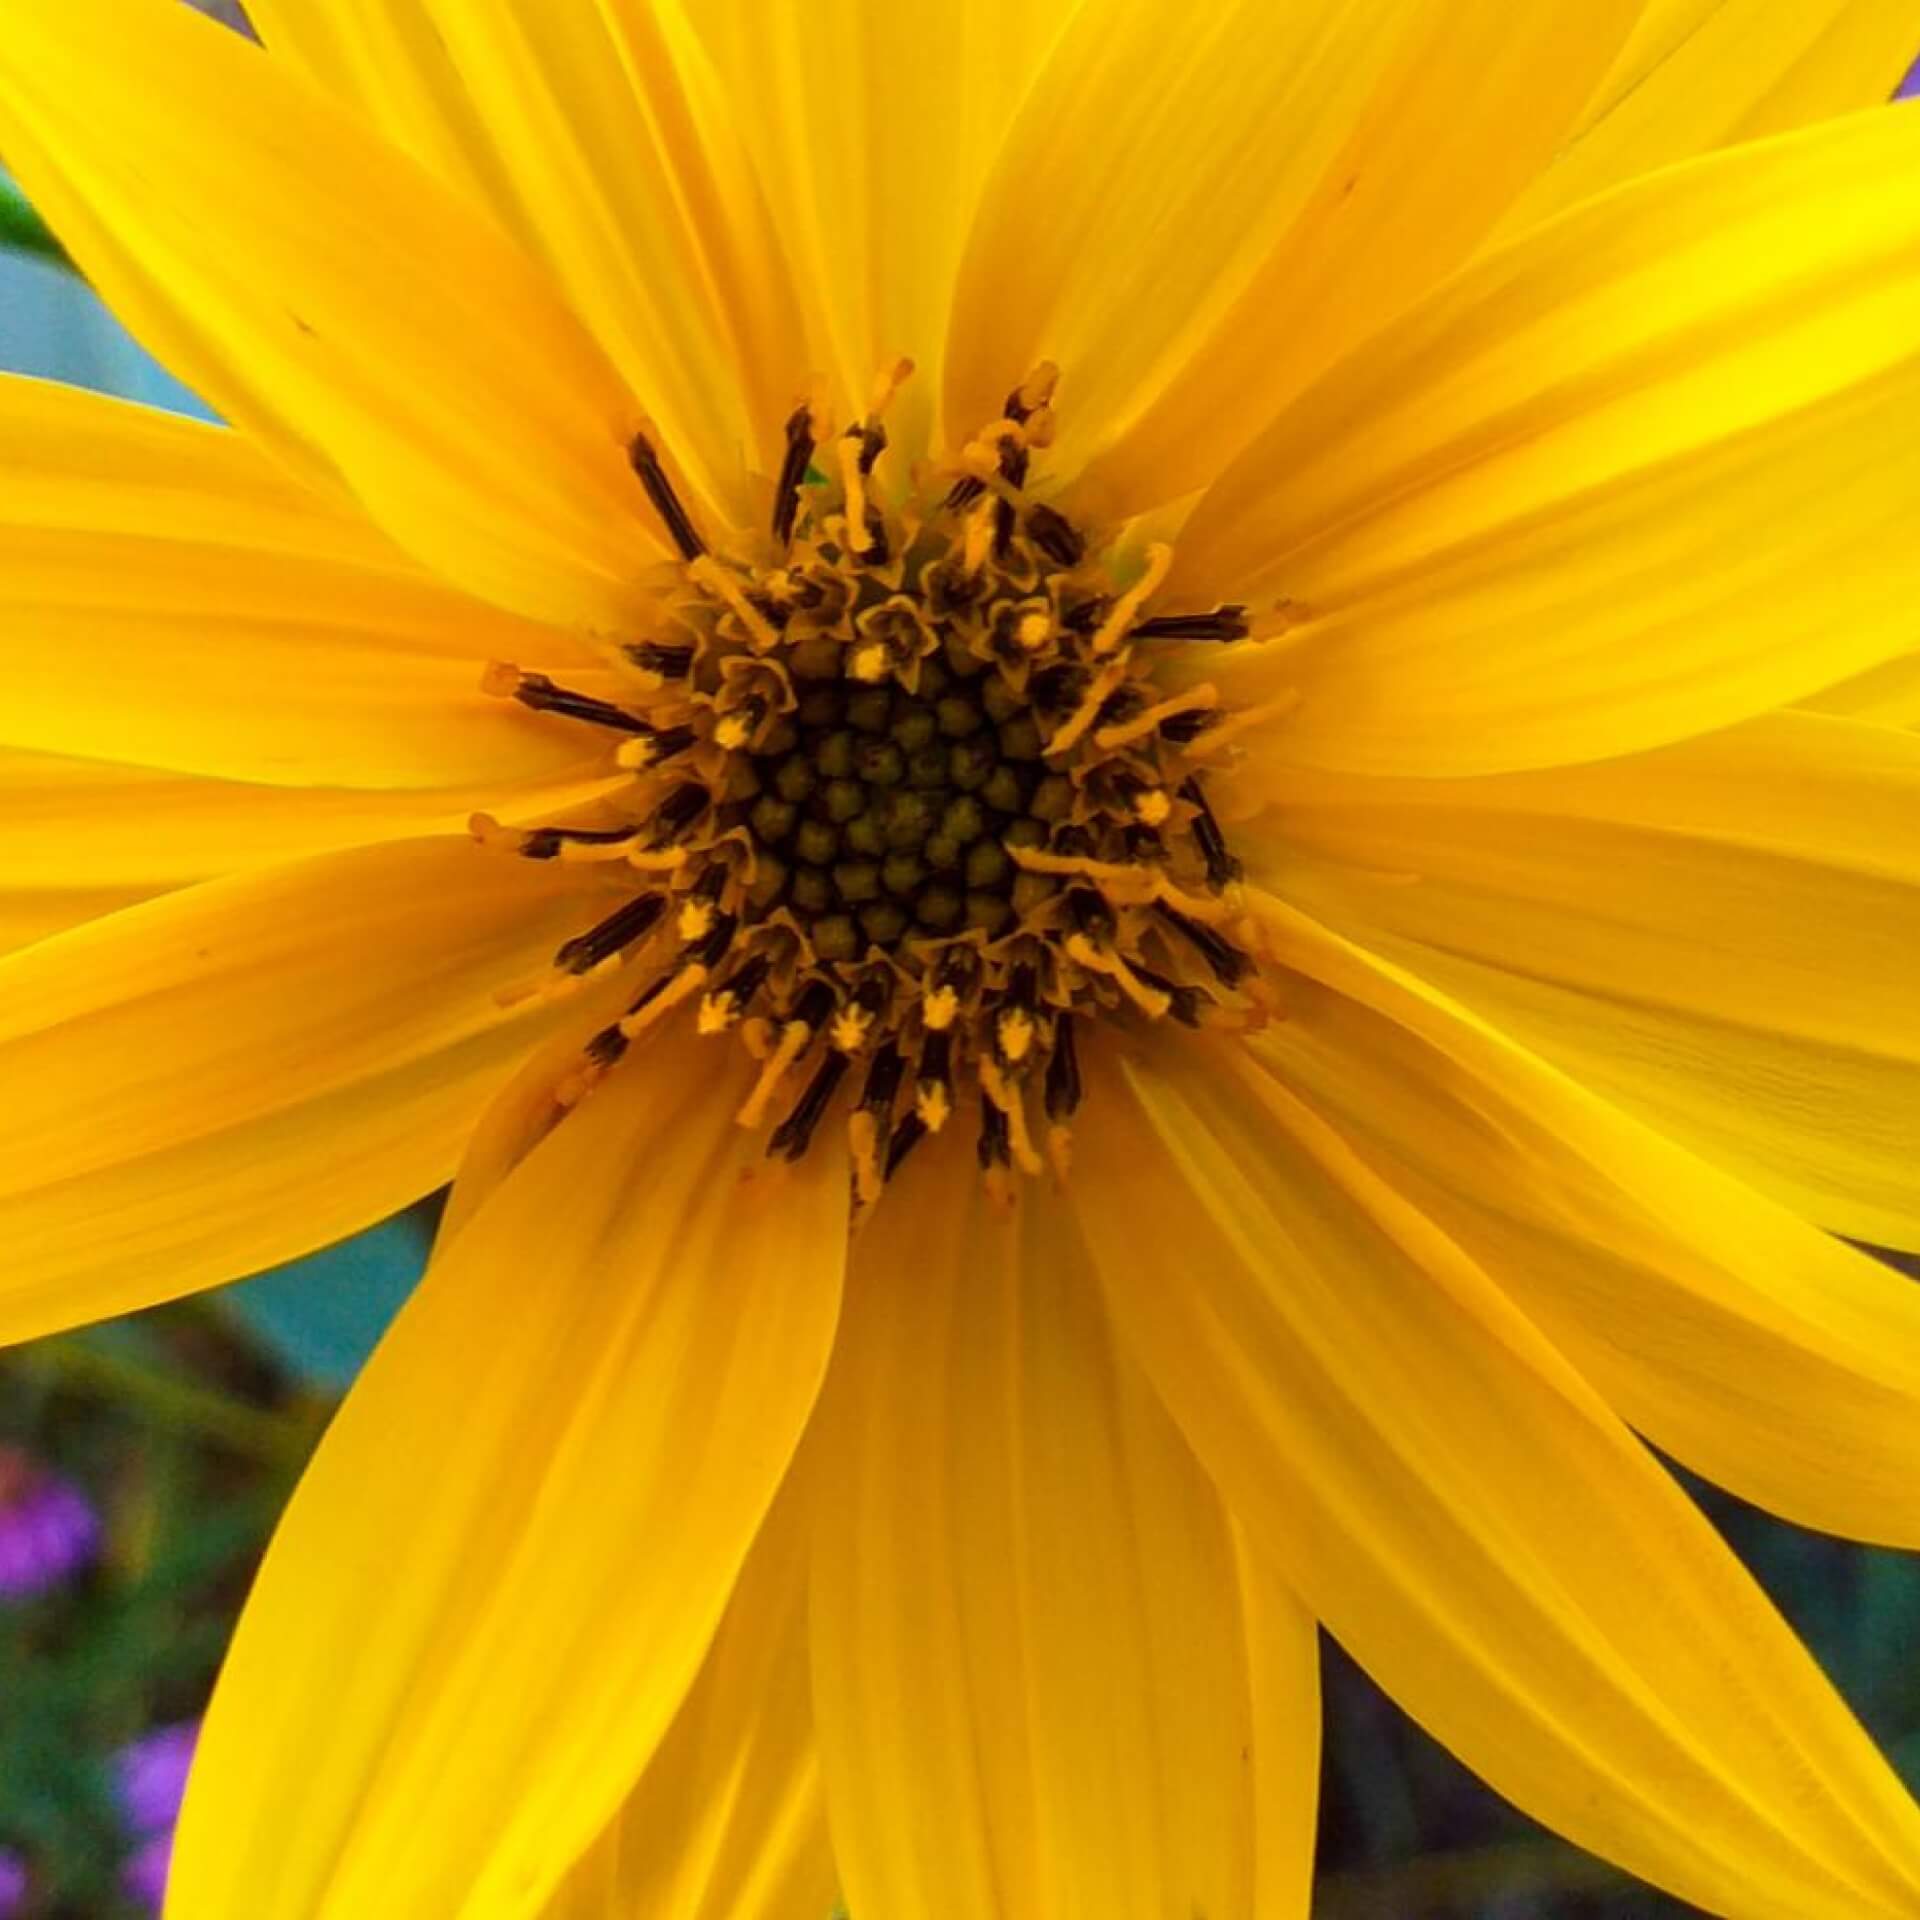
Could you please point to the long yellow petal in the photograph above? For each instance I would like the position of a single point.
(237, 1073)
(1719, 935)
(1030, 1658)
(314, 282)
(85, 837)
(615, 161)
(499, 1579)
(1888, 695)
(1752, 1346)
(1464, 1512)
(386, 60)
(872, 129)
(168, 597)
(728, 1821)
(1700, 74)
(1193, 220)
(1639, 475)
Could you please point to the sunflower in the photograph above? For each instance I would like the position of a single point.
(1128, 789)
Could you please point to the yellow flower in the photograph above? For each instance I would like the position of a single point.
(1434, 606)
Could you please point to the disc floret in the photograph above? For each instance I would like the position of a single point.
(908, 792)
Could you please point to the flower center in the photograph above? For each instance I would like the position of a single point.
(911, 789)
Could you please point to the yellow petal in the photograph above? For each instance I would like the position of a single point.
(168, 597)
(872, 129)
(1641, 474)
(728, 1821)
(1718, 935)
(502, 1572)
(1700, 74)
(1462, 1510)
(234, 1074)
(1750, 1345)
(85, 837)
(314, 282)
(1889, 694)
(1194, 222)
(637, 191)
(1031, 1663)
(387, 61)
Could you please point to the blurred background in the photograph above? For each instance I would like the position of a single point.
(143, 1463)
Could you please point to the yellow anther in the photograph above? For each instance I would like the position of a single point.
(850, 1027)
(1014, 1032)
(1113, 629)
(863, 1144)
(1151, 1001)
(1237, 722)
(695, 920)
(685, 984)
(794, 1036)
(733, 731)
(1060, 1150)
(1129, 885)
(934, 1104)
(1009, 1099)
(571, 1088)
(1033, 632)
(718, 1011)
(1151, 806)
(853, 485)
(979, 540)
(501, 679)
(716, 579)
(886, 383)
(939, 1008)
(1111, 739)
(1037, 389)
(1104, 682)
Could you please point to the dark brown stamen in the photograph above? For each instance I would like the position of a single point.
(1221, 865)
(666, 503)
(1185, 1002)
(677, 812)
(906, 1136)
(1223, 623)
(621, 928)
(793, 473)
(1182, 729)
(1056, 536)
(544, 843)
(670, 663)
(535, 690)
(1063, 1072)
(994, 1148)
(1229, 965)
(792, 1136)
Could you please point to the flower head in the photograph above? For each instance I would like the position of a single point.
(49, 1530)
(1135, 804)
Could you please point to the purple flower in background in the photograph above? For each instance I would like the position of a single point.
(144, 1876)
(149, 1781)
(1909, 88)
(13, 1883)
(48, 1529)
